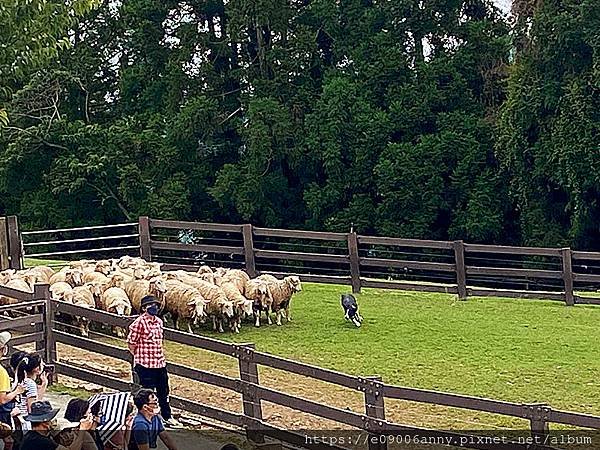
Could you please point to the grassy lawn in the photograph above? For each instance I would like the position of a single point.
(513, 350)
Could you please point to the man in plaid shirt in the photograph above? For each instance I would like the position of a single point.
(145, 342)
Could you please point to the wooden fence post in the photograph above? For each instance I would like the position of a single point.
(15, 245)
(461, 273)
(4, 252)
(567, 275)
(354, 262)
(144, 230)
(42, 292)
(249, 250)
(250, 398)
(375, 408)
(538, 418)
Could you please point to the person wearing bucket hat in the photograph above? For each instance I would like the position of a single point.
(7, 394)
(145, 342)
(41, 417)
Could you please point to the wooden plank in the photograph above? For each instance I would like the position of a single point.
(567, 275)
(18, 307)
(311, 407)
(90, 250)
(28, 338)
(249, 250)
(145, 239)
(375, 408)
(4, 252)
(532, 295)
(16, 293)
(311, 278)
(592, 256)
(199, 408)
(93, 315)
(586, 300)
(202, 342)
(64, 368)
(300, 234)
(512, 250)
(177, 246)
(248, 370)
(93, 346)
(402, 286)
(307, 370)
(177, 225)
(575, 419)
(401, 264)
(301, 256)
(63, 230)
(354, 262)
(504, 271)
(21, 322)
(203, 376)
(74, 241)
(454, 400)
(400, 242)
(14, 243)
(587, 277)
(461, 276)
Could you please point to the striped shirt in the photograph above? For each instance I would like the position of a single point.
(146, 334)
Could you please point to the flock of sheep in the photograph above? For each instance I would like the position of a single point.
(225, 296)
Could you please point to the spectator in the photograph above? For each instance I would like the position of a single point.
(147, 425)
(77, 410)
(42, 417)
(120, 440)
(145, 342)
(28, 370)
(7, 394)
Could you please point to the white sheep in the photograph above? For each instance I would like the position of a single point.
(42, 274)
(236, 276)
(114, 300)
(183, 301)
(281, 292)
(24, 284)
(85, 297)
(62, 291)
(72, 276)
(241, 305)
(138, 289)
(262, 301)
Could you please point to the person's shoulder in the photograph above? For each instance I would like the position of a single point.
(139, 421)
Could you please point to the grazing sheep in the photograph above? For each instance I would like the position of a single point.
(15, 283)
(281, 292)
(94, 277)
(72, 276)
(6, 275)
(241, 305)
(42, 274)
(138, 289)
(258, 291)
(84, 296)
(238, 277)
(184, 302)
(115, 301)
(62, 291)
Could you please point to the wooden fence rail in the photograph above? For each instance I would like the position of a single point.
(359, 261)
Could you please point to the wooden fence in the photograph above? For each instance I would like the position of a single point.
(40, 328)
(359, 261)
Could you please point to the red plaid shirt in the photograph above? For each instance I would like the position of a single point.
(146, 334)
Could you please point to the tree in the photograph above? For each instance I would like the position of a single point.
(548, 136)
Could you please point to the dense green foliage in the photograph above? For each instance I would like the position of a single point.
(404, 118)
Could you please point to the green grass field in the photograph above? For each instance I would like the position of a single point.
(506, 349)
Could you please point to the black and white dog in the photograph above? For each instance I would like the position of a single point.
(351, 309)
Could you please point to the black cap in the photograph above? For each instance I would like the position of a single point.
(149, 300)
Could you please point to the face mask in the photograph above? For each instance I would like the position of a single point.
(152, 310)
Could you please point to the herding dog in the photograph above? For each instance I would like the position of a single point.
(351, 309)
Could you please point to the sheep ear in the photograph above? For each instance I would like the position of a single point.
(191, 303)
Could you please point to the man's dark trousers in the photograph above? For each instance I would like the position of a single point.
(157, 379)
